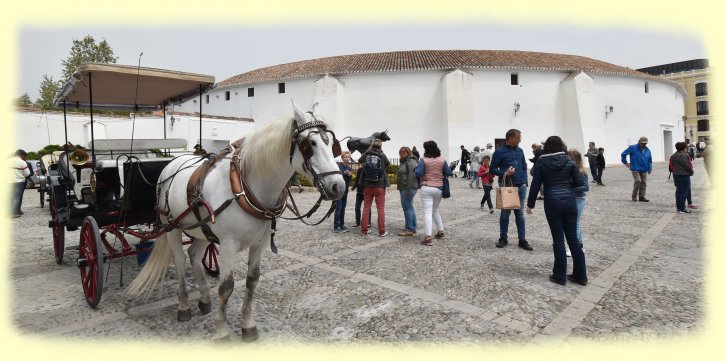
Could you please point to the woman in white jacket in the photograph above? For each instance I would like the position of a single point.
(20, 172)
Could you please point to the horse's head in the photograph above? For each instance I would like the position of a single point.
(383, 136)
(313, 153)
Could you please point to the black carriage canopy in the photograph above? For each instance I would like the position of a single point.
(124, 87)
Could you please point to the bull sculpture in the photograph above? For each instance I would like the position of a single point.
(362, 144)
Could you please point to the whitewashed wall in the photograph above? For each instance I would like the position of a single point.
(473, 107)
(36, 130)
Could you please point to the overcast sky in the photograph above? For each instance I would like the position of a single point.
(227, 51)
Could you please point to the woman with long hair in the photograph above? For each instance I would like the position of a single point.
(558, 173)
(407, 186)
(431, 170)
(580, 193)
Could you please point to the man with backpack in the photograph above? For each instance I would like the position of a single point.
(375, 181)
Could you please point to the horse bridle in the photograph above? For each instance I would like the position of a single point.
(305, 146)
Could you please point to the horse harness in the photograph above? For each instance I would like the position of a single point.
(241, 190)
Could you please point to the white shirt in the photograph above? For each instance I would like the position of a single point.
(20, 169)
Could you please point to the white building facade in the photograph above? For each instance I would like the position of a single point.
(464, 97)
(35, 130)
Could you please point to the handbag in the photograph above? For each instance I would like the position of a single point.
(446, 192)
(508, 196)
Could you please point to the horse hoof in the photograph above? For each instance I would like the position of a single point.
(205, 307)
(185, 315)
(250, 334)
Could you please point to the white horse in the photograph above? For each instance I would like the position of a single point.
(268, 159)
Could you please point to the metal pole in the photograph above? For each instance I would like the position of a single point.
(200, 116)
(164, 122)
(93, 143)
(65, 120)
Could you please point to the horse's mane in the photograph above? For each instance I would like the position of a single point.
(266, 148)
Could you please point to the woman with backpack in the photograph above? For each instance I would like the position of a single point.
(407, 186)
(375, 181)
(431, 170)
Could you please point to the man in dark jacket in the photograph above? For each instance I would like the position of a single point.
(682, 172)
(592, 160)
(464, 162)
(509, 160)
(374, 189)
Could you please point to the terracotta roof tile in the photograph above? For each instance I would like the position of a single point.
(433, 60)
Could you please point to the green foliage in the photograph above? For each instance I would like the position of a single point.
(304, 181)
(392, 169)
(23, 101)
(33, 156)
(48, 149)
(87, 51)
(48, 89)
(392, 178)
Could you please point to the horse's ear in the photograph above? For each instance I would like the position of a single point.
(299, 114)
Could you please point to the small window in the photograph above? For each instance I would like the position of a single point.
(646, 87)
(207, 98)
(702, 108)
(250, 92)
(701, 89)
(226, 95)
(515, 79)
(281, 88)
(703, 125)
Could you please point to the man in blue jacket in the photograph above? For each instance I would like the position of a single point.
(509, 159)
(641, 164)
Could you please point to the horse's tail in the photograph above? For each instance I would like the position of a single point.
(153, 272)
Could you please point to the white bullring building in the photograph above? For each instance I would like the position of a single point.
(469, 97)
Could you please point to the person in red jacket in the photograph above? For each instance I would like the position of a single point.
(487, 179)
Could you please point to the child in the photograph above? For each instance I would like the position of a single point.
(347, 171)
(486, 182)
(600, 165)
(358, 186)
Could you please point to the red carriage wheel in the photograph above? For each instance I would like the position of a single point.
(209, 260)
(59, 233)
(90, 261)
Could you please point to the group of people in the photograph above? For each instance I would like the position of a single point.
(427, 174)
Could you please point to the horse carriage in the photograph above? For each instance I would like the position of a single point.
(225, 202)
(110, 192)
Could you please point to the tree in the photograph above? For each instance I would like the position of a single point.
(23, 101)
(48, 89)
(84, 51)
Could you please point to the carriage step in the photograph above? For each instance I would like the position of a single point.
(72, 248)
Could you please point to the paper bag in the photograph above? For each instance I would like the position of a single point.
(508, 195)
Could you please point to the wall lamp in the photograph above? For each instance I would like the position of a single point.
(608, 109)
(516, 108)
(171, 121)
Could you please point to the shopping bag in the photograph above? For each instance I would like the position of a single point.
(508, 195)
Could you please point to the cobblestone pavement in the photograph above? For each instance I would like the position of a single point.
(645, 264)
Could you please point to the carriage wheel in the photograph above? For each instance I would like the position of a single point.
(59, 233)
(90, 261)
(209, 260)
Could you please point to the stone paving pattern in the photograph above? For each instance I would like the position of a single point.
(645, 265)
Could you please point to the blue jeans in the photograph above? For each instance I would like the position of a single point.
(338, 220)
(562, 218)
(593, 172)
(18, 190)
(518, 216)
(581, 202)
(409, 214)
(683, 186)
